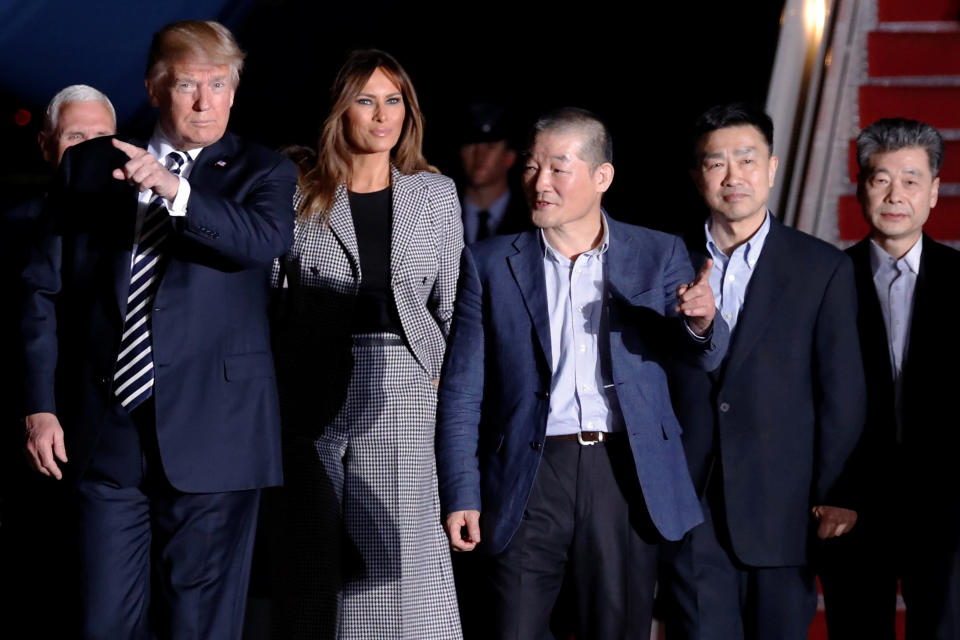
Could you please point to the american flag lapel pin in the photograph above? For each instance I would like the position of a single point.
(221, 163)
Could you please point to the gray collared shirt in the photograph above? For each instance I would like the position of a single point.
(731, 274)
(895, 281)
(579, 398)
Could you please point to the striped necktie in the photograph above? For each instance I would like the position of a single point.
(133, 380)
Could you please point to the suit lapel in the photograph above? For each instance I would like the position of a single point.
(923, 325)
(215, 163)
(873, 335)
(767, 284)
(341, 224)
(409, 201)
(625, 263)
(527, 268)
(119, 265)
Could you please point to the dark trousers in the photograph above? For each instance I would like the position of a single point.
(156, 562)
(711, 595)
(585, 520)
(860, 572)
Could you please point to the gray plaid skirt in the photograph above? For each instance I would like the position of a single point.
(367, 555)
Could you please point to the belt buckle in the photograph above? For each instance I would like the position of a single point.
(587, 443)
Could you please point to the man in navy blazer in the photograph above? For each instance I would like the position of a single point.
(554, 419)
(147, 349)
(768, 435)
(903, 472)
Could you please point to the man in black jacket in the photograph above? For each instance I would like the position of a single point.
(904, 470)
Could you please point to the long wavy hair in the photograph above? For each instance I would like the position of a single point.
(318, 186)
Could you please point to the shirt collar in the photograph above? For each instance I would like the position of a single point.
(160, 147)
(751, 248)
(496, 209)
(911, 259)
(600, 249)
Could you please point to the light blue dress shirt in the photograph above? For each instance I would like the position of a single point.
(731, 274)
(580, 399)
(471, 219)
(895, 281)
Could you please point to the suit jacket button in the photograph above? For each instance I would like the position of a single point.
(536, 445)
(724, 407)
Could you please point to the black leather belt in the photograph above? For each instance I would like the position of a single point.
(587, 438)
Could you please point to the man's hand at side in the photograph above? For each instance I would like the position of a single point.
(834, 521)
(44, 443)
(456, 522)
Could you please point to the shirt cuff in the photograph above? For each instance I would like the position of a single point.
(704, 338)
(178, 206)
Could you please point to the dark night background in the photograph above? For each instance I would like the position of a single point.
(647, 68)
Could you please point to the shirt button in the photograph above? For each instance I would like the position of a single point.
(732, 277)
(728, 316)
(580, 308)
(583, 348)
(724, 407)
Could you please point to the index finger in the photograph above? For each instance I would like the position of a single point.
(704, 273)
(131, 150)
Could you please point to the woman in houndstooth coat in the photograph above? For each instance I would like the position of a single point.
(360, 334)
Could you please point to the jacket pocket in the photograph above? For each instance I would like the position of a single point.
(248, 365)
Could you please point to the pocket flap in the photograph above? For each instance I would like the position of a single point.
(248, 365)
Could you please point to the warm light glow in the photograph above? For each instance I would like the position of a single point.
(815, 16)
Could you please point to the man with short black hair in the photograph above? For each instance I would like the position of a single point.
(147, 349)
(908, 528)
(768, 435)
(553, 415)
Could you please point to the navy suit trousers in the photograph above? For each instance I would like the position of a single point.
(156, 562)
(713, 596)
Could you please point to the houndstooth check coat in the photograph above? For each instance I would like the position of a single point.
(334, 443)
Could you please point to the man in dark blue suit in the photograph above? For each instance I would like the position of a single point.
(32, 507)
(903, 472)
(147, 349)
(554, 419)
(768, 434)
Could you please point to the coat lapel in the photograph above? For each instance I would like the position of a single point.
(214, 163)
(120, 267)
(341, 224)
(123, 255)
(626, 263)
(409, 201)
(527, 268)
(873, 335)
(767, 284)
(923, 321)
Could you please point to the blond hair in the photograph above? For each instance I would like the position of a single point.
(195, 40)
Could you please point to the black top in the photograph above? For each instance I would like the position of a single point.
(375, 310)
